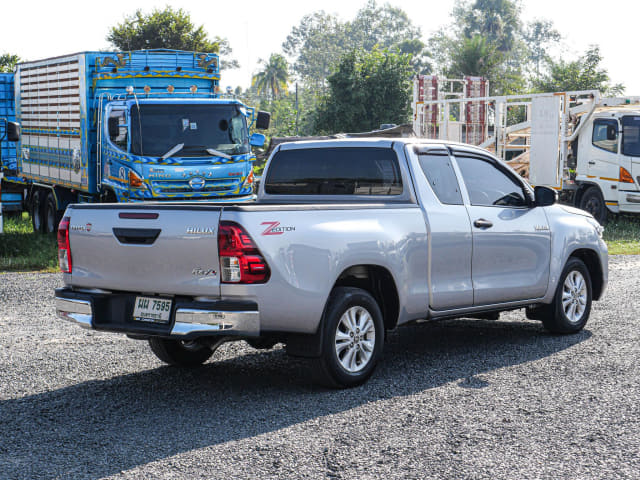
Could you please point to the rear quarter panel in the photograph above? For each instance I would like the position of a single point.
(308, 247)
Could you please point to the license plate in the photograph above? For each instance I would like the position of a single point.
(150, 309)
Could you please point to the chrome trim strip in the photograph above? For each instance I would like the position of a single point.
(633, 198)
(483, 308)
(76, 311)
(194, 320)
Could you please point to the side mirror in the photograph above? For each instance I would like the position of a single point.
(545, 196)
(13, 131)
(257, 140)
(114, 127)
(612, 132)
(262, 120)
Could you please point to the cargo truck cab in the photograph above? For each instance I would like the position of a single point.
(162, 148)
(608, 163)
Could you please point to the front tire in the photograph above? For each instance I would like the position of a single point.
(180, 353)
(571, 305)
(352, 339)
(593, 202)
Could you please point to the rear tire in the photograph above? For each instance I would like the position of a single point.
(51, 217)
(593, 202)
(571, 306)
(352, 338)
(36, 212)
(179, 353)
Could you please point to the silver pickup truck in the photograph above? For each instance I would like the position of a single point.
(348, 239)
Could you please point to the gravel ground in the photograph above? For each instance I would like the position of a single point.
(469, 399)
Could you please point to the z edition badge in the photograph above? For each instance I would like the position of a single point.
(274, 228)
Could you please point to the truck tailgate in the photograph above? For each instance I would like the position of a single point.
(155, 249)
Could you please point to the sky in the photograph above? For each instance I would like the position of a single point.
(40, 29)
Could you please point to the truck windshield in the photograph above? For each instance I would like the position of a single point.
(631, 136)
(188, 130)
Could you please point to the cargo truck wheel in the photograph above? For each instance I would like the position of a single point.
(36, 212)
(179, 353)
(593, 202)
(51, 216)
(571, 306)
(353, 336)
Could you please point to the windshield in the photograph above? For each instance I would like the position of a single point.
(197, 129)
(631, 136)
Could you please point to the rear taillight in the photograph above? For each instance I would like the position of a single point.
(64, 249)
(240, 259)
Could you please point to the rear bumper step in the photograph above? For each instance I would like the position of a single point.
(113, 312)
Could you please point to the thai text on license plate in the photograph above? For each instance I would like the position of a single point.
(150, 309)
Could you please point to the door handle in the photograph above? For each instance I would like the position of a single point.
(482, 223)
(591, 162)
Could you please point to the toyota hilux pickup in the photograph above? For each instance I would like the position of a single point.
(347, 240)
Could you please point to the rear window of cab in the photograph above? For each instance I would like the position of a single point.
(334, 171)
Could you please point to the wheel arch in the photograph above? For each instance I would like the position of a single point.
(379, 282)
(582, 188)
(592, 261)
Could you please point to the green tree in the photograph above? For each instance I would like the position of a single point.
(272, 79)
(585, 73)
(316, 44)
(539, 35)
(322, 39)
(487, 38)
(367, 89)
(475, 56)
(498, 21)
(167, 28)
(8, 62)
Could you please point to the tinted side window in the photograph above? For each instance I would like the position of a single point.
(487, 185)
(441, 177)
(334, 171)
(631, 136)
(605, 135)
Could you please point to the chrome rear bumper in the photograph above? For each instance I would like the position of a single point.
(190, 319)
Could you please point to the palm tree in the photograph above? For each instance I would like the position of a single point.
(273, 78)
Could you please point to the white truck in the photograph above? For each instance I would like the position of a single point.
(584, 146)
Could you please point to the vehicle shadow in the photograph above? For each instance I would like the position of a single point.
(94, 429)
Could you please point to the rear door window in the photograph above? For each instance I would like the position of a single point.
(334, 171)
(437, 167)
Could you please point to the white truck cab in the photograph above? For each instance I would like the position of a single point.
(584, 146)
(608, 162)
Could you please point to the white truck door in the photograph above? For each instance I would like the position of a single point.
(449, 230)
(602, 156)
(511, 239)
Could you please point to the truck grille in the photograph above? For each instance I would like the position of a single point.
(182, 186)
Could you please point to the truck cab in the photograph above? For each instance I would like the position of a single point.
(608, 162)
(169, 148)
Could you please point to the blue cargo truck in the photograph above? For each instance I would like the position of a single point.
(128, 126)
(11, 187)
